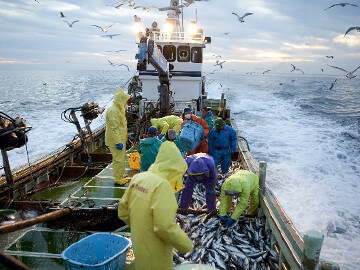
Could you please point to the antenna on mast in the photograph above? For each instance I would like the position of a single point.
(182, 17)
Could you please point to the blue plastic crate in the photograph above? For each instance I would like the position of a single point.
(190, 135)
(97, 251)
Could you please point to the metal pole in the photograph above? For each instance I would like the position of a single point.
(8, 174)
(312, 246)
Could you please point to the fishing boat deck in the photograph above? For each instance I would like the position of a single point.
(40, 246)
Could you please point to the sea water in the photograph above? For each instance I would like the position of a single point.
(307, 134)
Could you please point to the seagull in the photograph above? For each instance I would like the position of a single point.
(217, 56)
(111, 36)
(111, 63)
(137, 19)
(295, 68)
(71, 24)
(333, 84)
(226, 33)
(145, 8)
(353, 28)
(241, 19)
(322, 70)
(62, 14)
(131, 3)
(341, 4)
(329, 56)
(267, 71)
(105, 28)
(125, 66)
(117, 51)
(219, 63)
(251, 73)
(350, 74)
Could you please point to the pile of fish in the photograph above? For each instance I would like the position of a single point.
(243, 245)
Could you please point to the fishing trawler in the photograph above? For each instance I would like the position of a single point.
(67, 195)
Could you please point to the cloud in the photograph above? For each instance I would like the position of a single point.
(305, 46)
(348, 40)
(4, 60)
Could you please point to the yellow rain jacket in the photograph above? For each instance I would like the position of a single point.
(167, 122)
(245, 182)
(116, 132)
(149, 207)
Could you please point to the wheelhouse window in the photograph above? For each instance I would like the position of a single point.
(160, 48)
(183, 54)
(170, 53)
(196, 55)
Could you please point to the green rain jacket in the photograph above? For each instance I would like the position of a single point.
(116, 124)
(148, 150)
(149, 207)
(167, 122)
(246, 183)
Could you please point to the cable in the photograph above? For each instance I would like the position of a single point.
(247, 144)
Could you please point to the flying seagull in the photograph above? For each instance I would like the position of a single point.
(111, 36)
(333, 84)
(71, 24)
(62, 14)
(145, 8)
(111, 63)
(117, 51)
(131, 3)
(349, 74)
(267, 71)
(219, 63)
(295, 68)
(353, 28)
(241, 19)
(125, 66)
(329, 56)
(342, 4)
(105, 28)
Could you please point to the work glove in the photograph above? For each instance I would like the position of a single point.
(202, 137)
(210, 192)
(223, 220)
(119, 146)
(229, 222)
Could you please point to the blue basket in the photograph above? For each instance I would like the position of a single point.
(97, 251)
(190, 135)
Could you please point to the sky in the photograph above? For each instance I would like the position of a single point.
(278, 33)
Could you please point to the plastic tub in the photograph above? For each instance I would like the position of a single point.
(190, 135)
(98, 251)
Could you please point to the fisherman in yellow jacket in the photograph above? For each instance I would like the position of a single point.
(167, 122)
(244, 184)
(149, 207)
(116, 134)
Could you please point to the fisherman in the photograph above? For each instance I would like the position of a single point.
(149, 207)
(201, 169)
(188, 115)
(148, 149)
(208, 117)
(222, 144)
(167, 122)
(116, 134)
(171, 135)
(244, 184)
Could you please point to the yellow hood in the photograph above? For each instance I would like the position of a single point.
(120, 98)
(169, 164)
